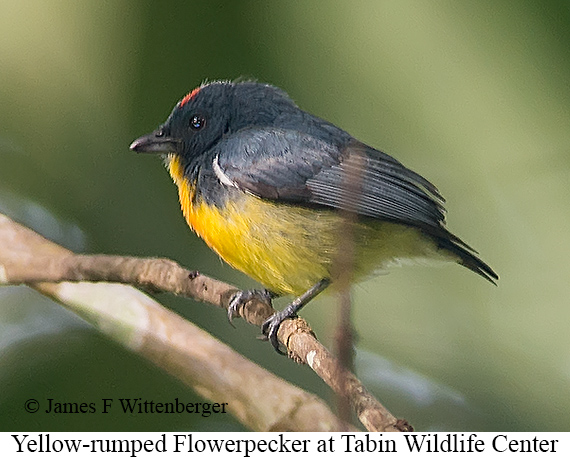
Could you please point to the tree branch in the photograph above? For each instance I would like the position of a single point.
(28, 258)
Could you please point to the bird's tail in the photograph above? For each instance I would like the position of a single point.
(466, 255)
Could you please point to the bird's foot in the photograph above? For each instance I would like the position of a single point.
(271, 326)
(240, 298)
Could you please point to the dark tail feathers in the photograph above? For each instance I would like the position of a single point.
(466, 254)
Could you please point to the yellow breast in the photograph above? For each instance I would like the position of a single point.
(285, 248)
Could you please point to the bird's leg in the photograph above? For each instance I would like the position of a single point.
(241, 297)
(271, 326)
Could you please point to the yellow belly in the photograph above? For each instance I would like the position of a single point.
(288, 248)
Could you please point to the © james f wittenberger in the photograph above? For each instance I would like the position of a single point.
(126, 405)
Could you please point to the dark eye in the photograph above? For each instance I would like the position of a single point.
(197, 122)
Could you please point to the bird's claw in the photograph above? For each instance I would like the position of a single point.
(241, 297)
(270, 328)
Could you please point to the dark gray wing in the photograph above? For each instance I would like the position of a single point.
(295, 167)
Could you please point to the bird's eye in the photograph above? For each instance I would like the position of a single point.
(197, 122)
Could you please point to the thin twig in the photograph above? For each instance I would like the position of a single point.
(344, 266)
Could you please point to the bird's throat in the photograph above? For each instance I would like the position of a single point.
(186, 189)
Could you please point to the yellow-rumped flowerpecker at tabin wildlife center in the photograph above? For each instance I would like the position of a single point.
(261, 181)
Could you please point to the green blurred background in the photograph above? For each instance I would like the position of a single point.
(473, 95)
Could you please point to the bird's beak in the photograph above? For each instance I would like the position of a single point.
(156, 142)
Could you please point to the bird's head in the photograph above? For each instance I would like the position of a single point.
(212, 111)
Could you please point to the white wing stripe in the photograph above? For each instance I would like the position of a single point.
(221, 175)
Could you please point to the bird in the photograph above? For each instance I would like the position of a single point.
(268, 187)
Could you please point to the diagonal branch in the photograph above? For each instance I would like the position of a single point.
(28, 258)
